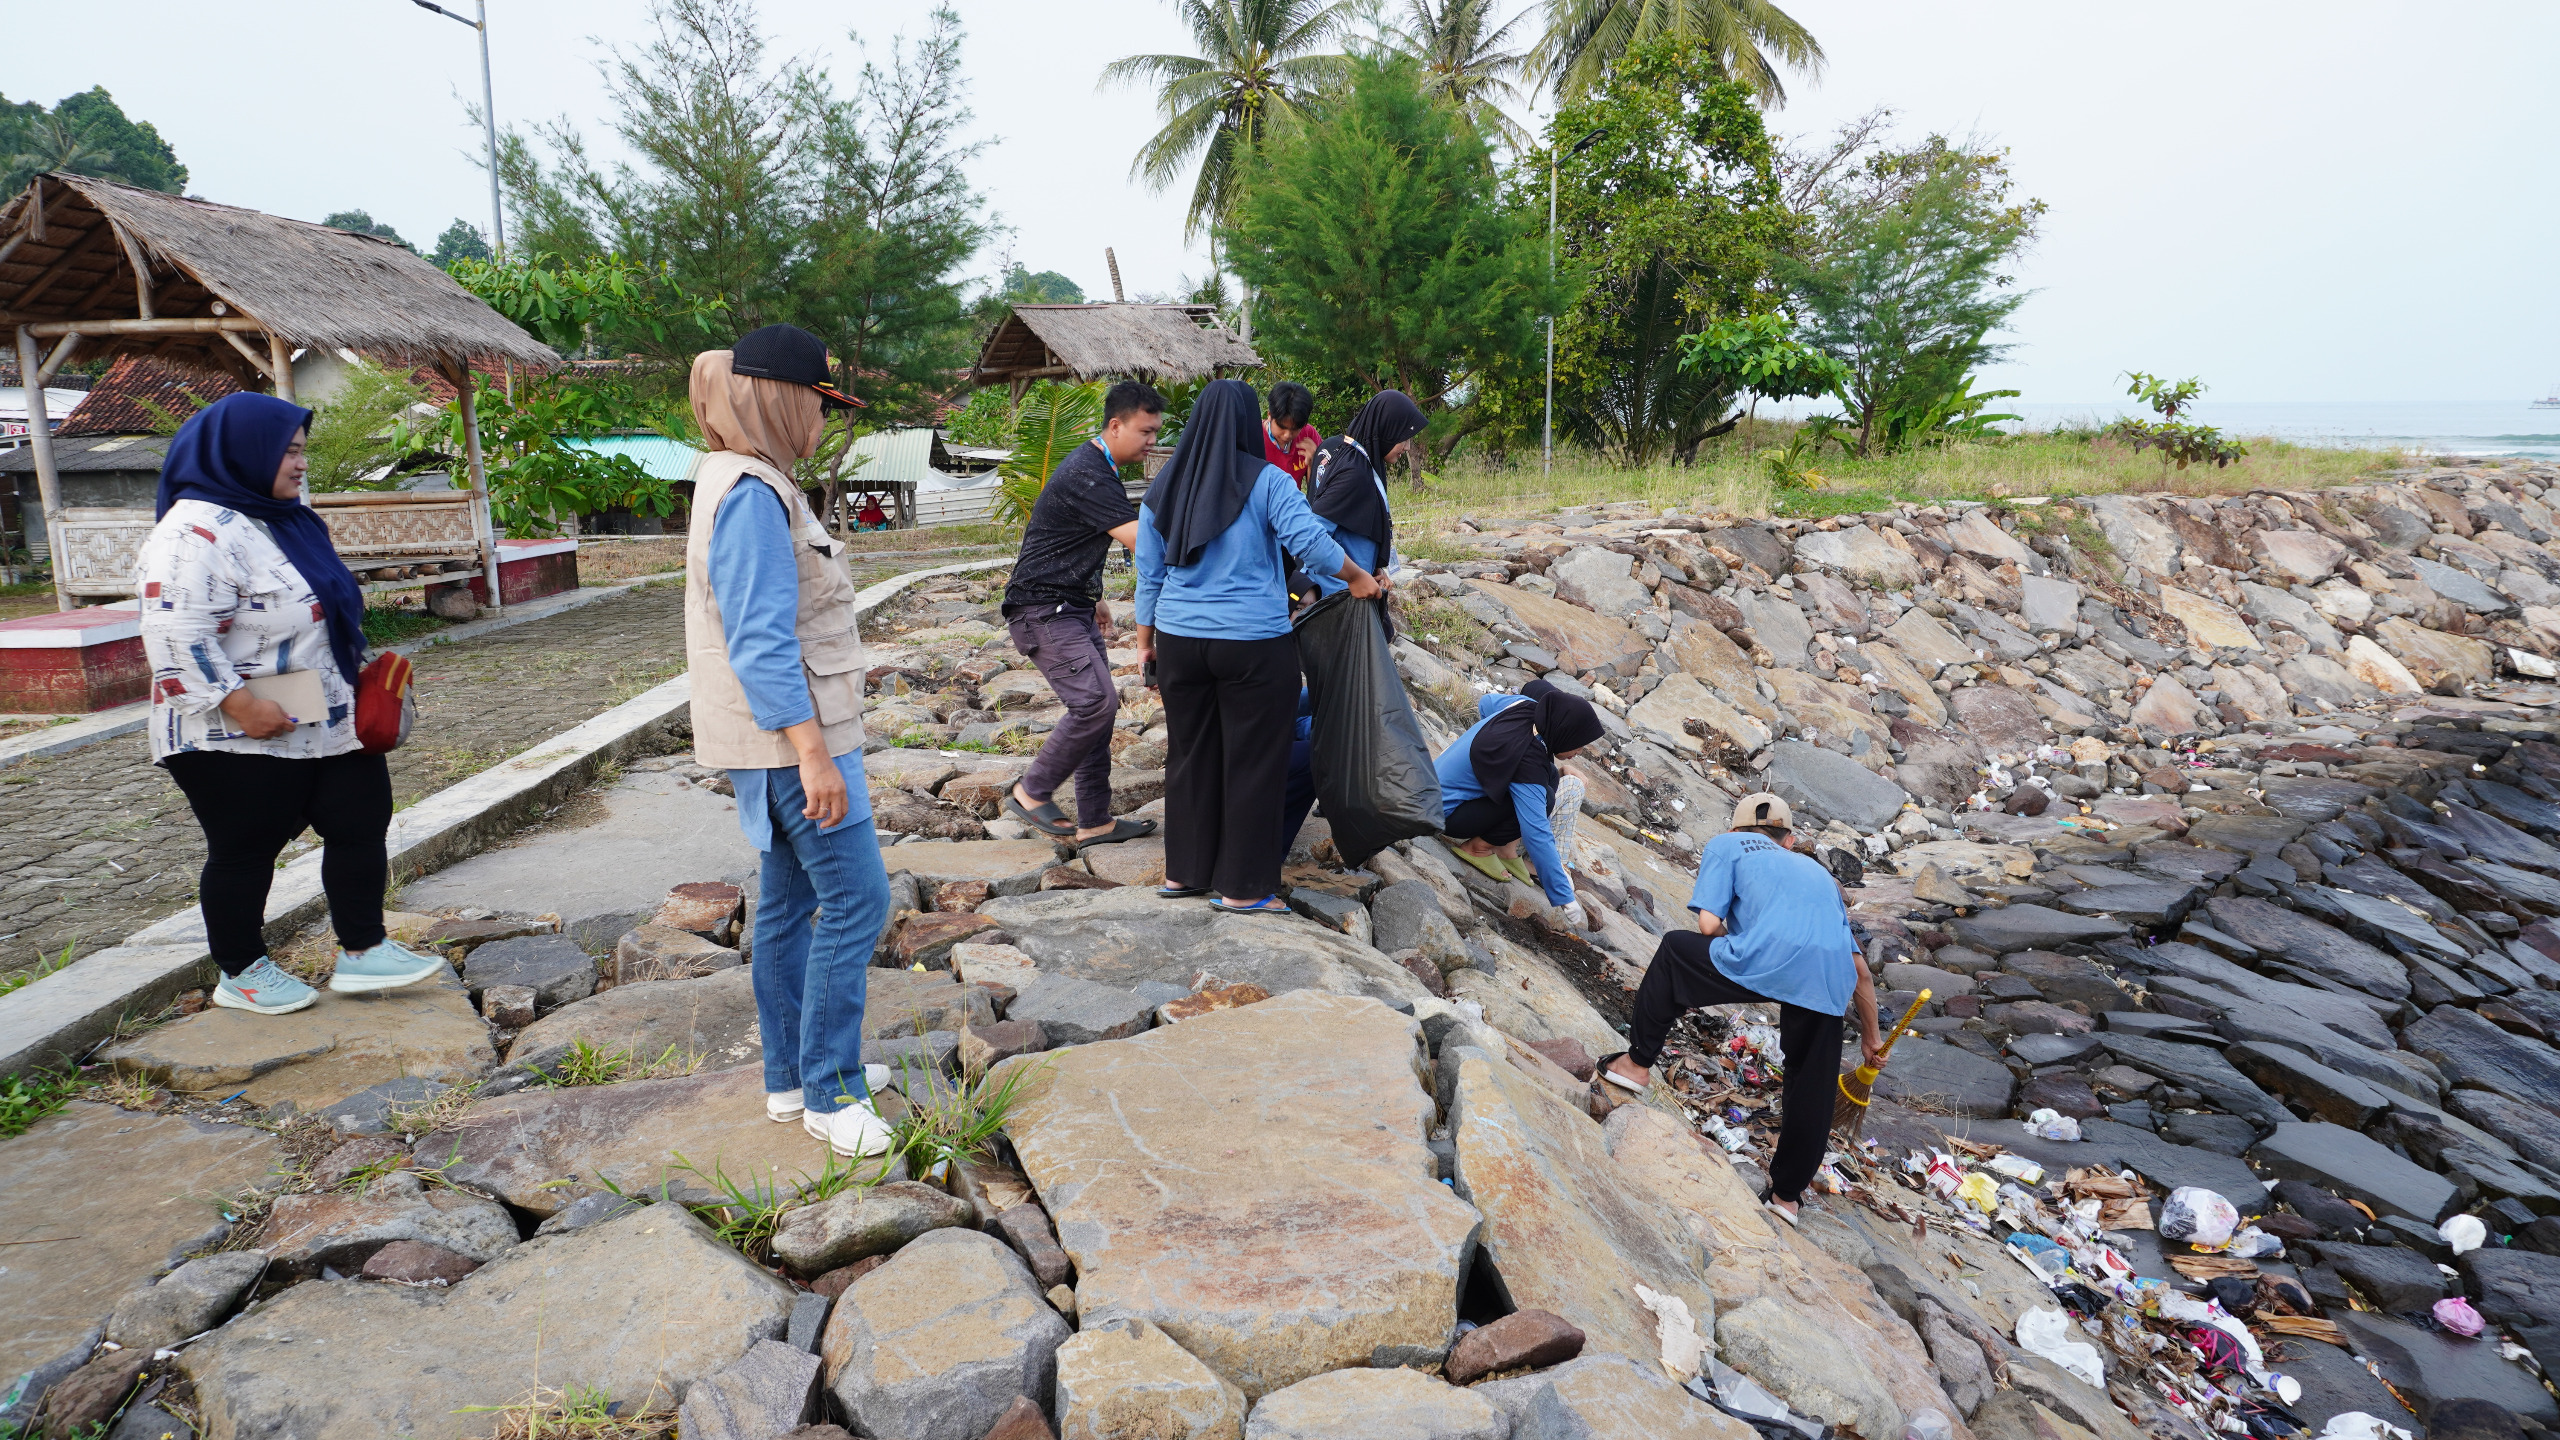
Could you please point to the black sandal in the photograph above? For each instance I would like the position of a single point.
(1044, 817)
(1122, 828)
(1181, 892)
(1613, 1077)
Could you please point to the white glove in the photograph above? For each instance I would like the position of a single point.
(1571, 916)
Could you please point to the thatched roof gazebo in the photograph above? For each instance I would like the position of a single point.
(92, 268)
(1092, 342)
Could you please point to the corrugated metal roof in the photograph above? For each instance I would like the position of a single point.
(902, 457)
(664, 458)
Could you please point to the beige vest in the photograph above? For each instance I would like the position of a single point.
(724, 727)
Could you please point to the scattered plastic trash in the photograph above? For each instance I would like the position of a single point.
(1980, 1191)
(2457, 1316)
(2357, 1425)
(2051, 1334)
(1677, 1331)
(1928, 1425)
(2198, 1216)
(2052, 1125)
(2254, 1244)
(2464, 1233)
(2019, 1168)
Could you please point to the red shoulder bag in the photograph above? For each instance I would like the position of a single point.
(386, 703)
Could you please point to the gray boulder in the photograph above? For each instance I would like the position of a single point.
(1827, 785)
(1600, 580)
(771, 1389)
(814, 1239)
(553, 967)
(1127, 936)
(940, 1340)
(1407, 916)
(2033, 927)
(1947, 1078)
(1396, 1404)
(2355, 1166)
(1603, 1397)
(306, 1232)
(1079, 1012)
(188, 1300)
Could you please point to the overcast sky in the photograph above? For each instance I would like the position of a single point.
(2339, 202)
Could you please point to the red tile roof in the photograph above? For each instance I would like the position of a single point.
(116, 404)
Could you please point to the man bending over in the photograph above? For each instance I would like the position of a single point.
(1773, 927)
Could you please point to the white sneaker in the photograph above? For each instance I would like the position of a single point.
(263, 989)
(783, 1107)
(854, 1131)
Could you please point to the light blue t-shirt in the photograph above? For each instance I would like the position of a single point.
(1236, 589)
(1786, 930)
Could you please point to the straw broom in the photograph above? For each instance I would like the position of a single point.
(1859, 1084)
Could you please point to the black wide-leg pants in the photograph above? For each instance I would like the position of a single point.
(1683, 977)
(1229, 708)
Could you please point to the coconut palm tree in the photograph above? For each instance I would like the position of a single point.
(58, 144)
(1584, 37)
(1467, 57)
(1261, 63)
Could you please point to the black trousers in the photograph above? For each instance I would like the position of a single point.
(251, 807)
(1229, 706)
(1495, 821)
(1682, 978)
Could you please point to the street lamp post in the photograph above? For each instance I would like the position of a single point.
(1585, 143)
(488, 115)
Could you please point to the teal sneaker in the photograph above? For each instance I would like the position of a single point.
(386, 966)
(265, 990)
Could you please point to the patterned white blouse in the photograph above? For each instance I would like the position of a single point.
(220, 605)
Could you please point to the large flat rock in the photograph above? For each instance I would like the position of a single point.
(1126, 936)
(541, 1149)
(2360, 1168)
(637, 1308)
(2202, 1070)
(712, 1017)
(1579, 639)
(1255, 1183)
(2033, 927)
(1830, 786)
(2476, 1055)
(1946, 1078)
(96, 1200)
(651, 833)
(1014, 863)
(1607, 1397)
(1383, 1404)
(2303, 941)
(317, 1057)
(1568, 1231)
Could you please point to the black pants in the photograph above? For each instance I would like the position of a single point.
(251, 807)
(1229, 706)
(1495, 821)
(1682, 978)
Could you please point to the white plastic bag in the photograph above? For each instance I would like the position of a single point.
(2052, 1125)
(2464, 1233)
(2049, 1333)
(2357, 1425)
(1682, 1345)
(2198, 1216)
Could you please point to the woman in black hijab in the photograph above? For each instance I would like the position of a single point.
(1503, 792)
(1213, 621)
(1348, 485)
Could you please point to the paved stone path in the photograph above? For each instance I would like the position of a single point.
(99, 843)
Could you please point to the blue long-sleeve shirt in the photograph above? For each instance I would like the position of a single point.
(755, 580)
(1362, 550)
(1458, 785)
(1237, 589)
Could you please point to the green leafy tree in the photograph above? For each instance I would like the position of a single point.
(1758, 354)
(1747, 40)
(537, 482)
(1048, 287)
(358, 433)
(1377, 236)
(85, 134)
(364, 224)
(461, 240)
(1262, 64)
(758, 184)
(1905, 278)
(566, 303)
(1054, 418)
(2181, 442)
(1469, 60)
(1672, 218)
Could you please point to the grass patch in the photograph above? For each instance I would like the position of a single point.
(932, 537)
(1729, 476)
(587, 1064)
(1435, 546)
(956, 1122)
(391, 624)
(1446, 624)
(41, 969)
(576, 1414)
(26, 1099)
(411, 1121)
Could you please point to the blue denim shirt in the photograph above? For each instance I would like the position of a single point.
(756, 583)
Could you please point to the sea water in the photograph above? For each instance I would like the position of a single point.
(2509, 428)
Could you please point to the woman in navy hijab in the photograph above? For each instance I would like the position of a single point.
(240, 586)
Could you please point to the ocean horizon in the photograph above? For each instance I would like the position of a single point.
(2509, 428)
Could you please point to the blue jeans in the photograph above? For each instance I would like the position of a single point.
(810, 979)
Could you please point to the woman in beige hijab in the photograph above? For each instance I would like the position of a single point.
(777, 702)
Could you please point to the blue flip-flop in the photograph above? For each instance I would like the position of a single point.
(1267, 905)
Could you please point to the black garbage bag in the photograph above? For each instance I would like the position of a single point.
(1373, 773)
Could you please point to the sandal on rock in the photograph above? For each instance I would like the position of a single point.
(1181, 892)
(1267, 905)
(1520, 868)
(1774, 1208)
(1489, 865)
(1044, 817)
(1613, 1077)
(1122, 828)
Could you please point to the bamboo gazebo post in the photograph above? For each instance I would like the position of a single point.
(483, 523)
(31, 373)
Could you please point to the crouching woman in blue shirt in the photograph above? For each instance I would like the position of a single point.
(777, 670)
(1213, 614)
(1773, 927)
(1501, 792)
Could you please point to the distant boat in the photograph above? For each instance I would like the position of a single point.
(2550, 401)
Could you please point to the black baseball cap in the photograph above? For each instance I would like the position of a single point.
(791, 355)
